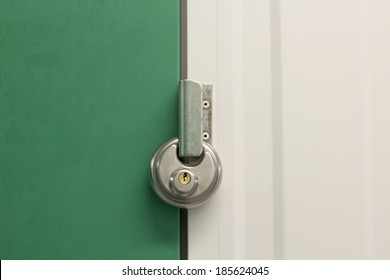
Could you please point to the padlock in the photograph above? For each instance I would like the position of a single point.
(186, 171)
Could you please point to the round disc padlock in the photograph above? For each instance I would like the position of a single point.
(185, 185)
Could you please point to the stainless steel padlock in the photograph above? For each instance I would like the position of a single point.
(186, 171)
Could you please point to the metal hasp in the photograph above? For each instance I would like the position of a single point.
(195, 117)
(186, 171)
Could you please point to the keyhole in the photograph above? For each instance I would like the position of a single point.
(184, 178)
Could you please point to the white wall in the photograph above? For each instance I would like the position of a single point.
(302, 127)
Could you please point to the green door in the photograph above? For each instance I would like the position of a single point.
(88, 91)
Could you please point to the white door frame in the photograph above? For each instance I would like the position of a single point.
(222, 49)
(302, 126)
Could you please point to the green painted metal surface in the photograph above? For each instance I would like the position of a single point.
(88, 91)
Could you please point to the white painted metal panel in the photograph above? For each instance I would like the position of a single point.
(302, 128)
(329, 84)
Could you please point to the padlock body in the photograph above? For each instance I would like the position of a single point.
(185, 185)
